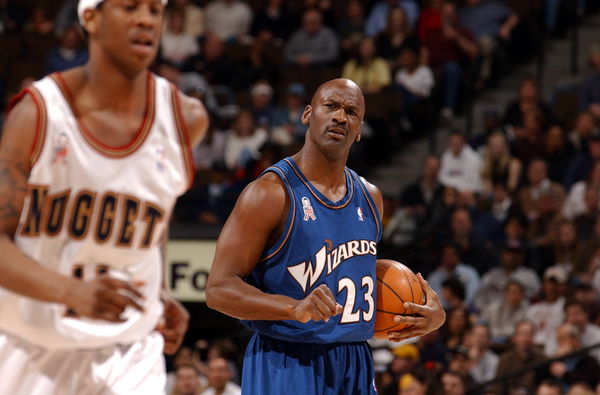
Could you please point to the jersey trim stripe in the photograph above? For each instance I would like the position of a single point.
(184, 136)
(348, 196)
(290, 226)
(107, 150)
(41, 122)
(373, 208)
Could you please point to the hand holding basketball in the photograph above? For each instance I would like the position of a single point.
(423, 319)
(319, 305)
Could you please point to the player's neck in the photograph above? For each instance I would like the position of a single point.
(316, 166)
(115, 89)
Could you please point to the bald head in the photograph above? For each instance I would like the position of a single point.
(344, 85)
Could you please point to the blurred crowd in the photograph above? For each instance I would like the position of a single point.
(505, 225)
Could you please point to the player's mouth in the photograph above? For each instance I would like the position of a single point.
(337, 132)
(143, 45)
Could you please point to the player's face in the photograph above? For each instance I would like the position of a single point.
(128, 31)
(335, 115)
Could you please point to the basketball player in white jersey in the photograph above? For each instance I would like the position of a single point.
(91, 163)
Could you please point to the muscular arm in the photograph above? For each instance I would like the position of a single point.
(19, 273)
(257, 214)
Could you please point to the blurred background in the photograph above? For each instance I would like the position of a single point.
(482, 130)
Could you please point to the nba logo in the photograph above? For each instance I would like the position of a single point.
(308, 210)
(161, 157)
(60, 148)
(360, 214)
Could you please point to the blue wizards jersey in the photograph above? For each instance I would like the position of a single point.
(323, 242)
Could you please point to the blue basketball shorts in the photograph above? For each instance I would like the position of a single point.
(274, 366)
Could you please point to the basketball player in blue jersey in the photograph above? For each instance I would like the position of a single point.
(296, 262)
(91, 163)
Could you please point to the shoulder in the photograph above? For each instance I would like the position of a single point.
(266, 191)
(195, 117)
(22, 123)
(375, 194)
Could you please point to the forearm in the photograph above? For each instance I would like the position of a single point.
(22, 275)
(236, 298)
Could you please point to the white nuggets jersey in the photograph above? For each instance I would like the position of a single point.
(94, 209)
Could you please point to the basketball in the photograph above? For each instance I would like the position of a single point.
(396, 284)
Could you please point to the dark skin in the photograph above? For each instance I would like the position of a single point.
(334, 120)
(109, 95)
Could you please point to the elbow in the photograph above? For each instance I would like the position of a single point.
(211, 294)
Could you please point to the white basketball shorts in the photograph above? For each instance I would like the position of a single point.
(135, 369)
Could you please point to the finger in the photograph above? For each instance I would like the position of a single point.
(413, 308)
(111, 308)
(129, 288)
(120, 300)
(338, 309)
(409, 320)
(325, 295)
(108, 316)
(429, 292)
(405, 334)
(322, 307)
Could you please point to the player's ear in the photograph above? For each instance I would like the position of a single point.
(90, 21)
(357, 139)
(305, 118)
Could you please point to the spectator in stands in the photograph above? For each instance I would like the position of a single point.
(577, 315)
(189, 361)
(379, 14)
(589, 95)
(575, 368)
(230, 20)
(186, 381)
(219, 379)
(415, 80)
(193, 23)
(451, 266)
(351, 27)
(39, 23)
(489, 21)
(176, 44)
(473, 249)
(257, 65)
(448, 49)
(460, 362)
(493, 211)
(557, 151)
(575, 202)
(405, 359)
(483, 362)
(261, 105)
(528, 99)
(430, 18)
(529, 196)
(210, 153)
(519, 357)
(548, 313)
(502, 315)
(287, 125)
(585, 293)
(499, 166)
(420, 197)
(584, 129)
(461, 165)
(581, 165)
(515, 233)
(272, 23)
(214, 65)
(411, 384)
(325, 7)
(580, 388)
(69, 53)
(66, 16)
(549, 387)
(370, 72)
(528, 140)
(312, 45)
(561, 249)
(453, 292)
(243, 141)
(494, 281)
(453, 383)
(396, 36)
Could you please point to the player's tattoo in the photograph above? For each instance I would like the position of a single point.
(14, 171)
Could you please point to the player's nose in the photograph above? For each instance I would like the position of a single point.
(145, 17)
(339, 116)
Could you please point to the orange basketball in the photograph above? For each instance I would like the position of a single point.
(396, 284)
